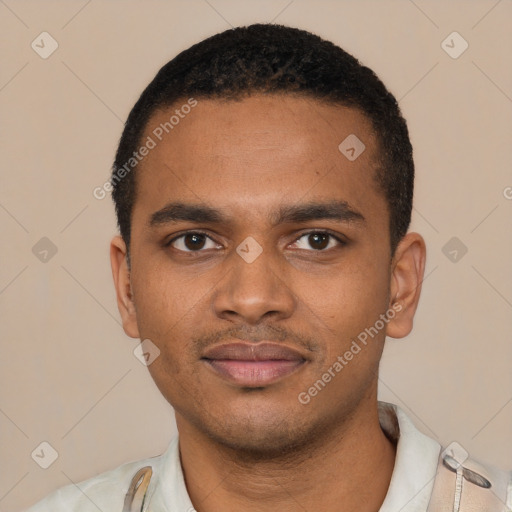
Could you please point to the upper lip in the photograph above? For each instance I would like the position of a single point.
(262, 351)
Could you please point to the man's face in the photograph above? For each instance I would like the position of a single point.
(257, 165)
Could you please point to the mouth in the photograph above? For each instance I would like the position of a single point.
(253, 365)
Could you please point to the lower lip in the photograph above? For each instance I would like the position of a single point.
(254, 373)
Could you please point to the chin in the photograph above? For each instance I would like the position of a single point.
(261, 436)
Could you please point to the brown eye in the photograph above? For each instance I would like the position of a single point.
(193, 242)
(318, 241)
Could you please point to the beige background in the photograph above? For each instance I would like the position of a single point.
(68, 373)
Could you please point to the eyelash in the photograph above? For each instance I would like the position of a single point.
(336, 237)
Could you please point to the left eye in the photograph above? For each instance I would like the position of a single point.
(319, 241)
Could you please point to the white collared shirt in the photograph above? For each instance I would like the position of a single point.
(409, 491)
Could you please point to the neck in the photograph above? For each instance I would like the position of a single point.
(346, 469)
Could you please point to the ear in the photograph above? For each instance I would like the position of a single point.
(121, 275)
(407, 270)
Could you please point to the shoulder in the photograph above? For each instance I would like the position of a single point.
(103, 492)
(462, 480)
(489, 481)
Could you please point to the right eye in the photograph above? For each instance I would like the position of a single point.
(192, 242)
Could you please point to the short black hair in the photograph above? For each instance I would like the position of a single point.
(274, 59)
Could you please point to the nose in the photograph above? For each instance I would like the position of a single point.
(253, 291)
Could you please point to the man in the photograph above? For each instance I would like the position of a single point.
(263, 188)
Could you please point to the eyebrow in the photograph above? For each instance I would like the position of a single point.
(333, 210)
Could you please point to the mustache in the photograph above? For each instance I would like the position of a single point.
(254, 334)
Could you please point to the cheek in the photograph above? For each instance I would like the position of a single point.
(172, 307)
(166, 306)
(348, 298)
(164, 299)
(345, 308)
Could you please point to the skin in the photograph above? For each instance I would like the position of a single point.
(260, 448)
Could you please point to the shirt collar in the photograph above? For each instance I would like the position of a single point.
(415, 464)
(167, 491)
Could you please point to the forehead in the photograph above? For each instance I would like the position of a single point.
(256, 152)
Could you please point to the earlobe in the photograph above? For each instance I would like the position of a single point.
(405, 288)
(121, 275)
